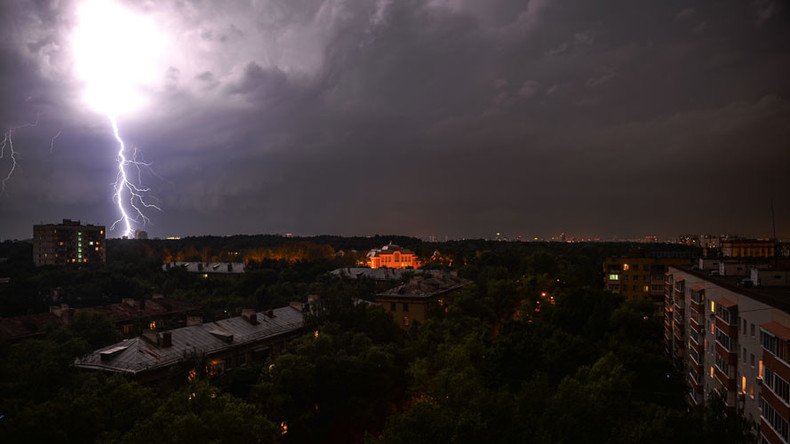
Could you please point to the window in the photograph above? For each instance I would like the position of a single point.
(614, 277)
(744, 355)
(406, 321)
(772, 344)
(752, 330)
(778, 385)
(626, 267)
(773, 418)
(751, 360)
(723, 339)
(393, 306)
(405, 307)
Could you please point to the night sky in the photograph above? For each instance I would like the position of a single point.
(457, 118)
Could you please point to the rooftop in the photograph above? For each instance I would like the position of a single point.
(778, 297)
(133, 356)
(207, 267)
(379, 274)
(426, 285)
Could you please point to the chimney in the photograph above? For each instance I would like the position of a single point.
(194, 320)
(130, 302)
(249, 315)
(166, 339)
(269, 313)
(157, 296)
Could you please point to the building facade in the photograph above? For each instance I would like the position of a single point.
(392, 256)
(69, 243)
(733, 338)
(752, 248)
(413, 300)
(641, 275)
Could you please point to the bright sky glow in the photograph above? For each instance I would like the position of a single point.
(117, 54)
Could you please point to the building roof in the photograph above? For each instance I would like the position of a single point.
(145, 308)
(389, 249)
(21, 327)
(778, 297)
(424, 286)
(138, 355)
(207, 267)
(379, 274)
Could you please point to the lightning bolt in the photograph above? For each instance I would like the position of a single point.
(8, 142)
(52, 141)
(127, 192)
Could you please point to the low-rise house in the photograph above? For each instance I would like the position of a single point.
(225, 344)
(131, 316)
(206, 269)
(412, 300)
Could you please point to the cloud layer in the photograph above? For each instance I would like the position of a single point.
(421, 117)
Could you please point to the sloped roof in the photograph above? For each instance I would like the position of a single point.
(20, 327)
(426, 286)
(207, 267)
(137, 355)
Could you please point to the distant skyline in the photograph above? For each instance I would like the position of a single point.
(455, 118)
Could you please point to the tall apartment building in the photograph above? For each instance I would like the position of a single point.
(731, 335)
(641, 275)
(68, 243)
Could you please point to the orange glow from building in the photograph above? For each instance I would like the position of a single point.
(392, 256)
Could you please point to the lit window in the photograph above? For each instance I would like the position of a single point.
(626, 267)
(152, 325)
(614, 277)
(712, 307)
(711, 372)
(743, 384)
(760, 369)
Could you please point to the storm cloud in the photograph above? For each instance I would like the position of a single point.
(454, 118)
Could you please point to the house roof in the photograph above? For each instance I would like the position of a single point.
(138, 355)
(425, 286)
(20, 327)
(145, 308)
(207, 267)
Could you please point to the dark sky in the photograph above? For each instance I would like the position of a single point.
(420, 117)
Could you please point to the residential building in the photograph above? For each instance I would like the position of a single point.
(131, 316)
(224, 344)
(206, 269)
(731, 335)
(412, 301)
(641, 274)
(376, 274)
(392, 256)
(750, 248)
(68, 243)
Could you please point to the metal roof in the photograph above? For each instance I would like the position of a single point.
(138, 355)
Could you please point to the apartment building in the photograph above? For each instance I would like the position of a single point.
(641, 274)
(730, 334)
(68, 243)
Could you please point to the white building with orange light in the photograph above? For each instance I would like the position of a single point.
(392, 256)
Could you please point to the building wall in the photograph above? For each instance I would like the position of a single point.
(395, 259)
(639, 277)
(748, 248)
(68, 243)
(739, 374)
(404, 311)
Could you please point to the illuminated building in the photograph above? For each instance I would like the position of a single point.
(68, 243)
(392, 256)
(642, 275)
(412, 301)
(755, 248)
(731, 335)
